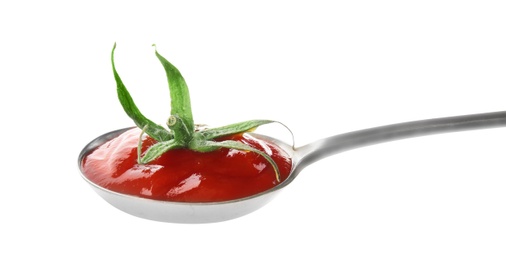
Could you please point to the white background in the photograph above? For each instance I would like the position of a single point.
(320, 67)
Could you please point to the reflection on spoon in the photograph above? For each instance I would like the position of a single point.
(181, 212)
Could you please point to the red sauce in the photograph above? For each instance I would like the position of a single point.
(183, 175)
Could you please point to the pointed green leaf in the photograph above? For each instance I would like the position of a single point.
(158, 149)
(209, 146)
(179, 94)
(233, 128)
(241, 127)
(156, 131)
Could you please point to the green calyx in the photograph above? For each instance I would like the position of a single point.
(181, 131)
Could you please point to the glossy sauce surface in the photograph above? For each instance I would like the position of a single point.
(183, 175)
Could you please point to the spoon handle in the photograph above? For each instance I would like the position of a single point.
(340, 143)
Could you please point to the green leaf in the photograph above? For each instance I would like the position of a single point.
(209, 146)
(158, 149)
(246, 126)
(233, 128)
(156, 131)
(179, 94)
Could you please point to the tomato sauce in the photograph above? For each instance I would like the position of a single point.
(182, 175)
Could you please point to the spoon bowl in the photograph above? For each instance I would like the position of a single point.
(208, 212)
(184, 212)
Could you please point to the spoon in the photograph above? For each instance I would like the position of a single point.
(208, 212)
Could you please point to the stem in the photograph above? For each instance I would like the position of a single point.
(139, 145)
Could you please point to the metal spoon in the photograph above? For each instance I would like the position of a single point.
(178, 212)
